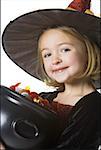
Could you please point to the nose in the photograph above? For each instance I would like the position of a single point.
(56, 59)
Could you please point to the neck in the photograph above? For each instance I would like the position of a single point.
(79, 88)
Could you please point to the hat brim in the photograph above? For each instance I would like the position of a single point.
(21, 35)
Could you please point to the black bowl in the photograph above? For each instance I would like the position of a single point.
(25, 124)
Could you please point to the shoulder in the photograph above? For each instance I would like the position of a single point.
(95, 94)
(88, 108)
(94, 98)
(89, 105)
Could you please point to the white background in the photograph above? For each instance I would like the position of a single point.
(11, 9)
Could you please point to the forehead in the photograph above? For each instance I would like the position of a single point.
(54, 32)
(57, 35)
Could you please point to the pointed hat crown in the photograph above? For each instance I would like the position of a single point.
(81, 6)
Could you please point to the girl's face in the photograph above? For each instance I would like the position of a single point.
(64, 56)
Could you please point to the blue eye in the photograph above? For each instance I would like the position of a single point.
(47, 55)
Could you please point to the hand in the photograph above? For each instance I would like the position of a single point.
(2, 147)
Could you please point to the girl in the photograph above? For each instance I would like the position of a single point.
(62, 47)
(71, 62)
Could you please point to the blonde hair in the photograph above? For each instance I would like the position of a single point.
(92, 71)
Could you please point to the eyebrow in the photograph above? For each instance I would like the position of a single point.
(64, 43)
(44, 49)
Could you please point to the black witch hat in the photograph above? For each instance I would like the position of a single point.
(21, 35)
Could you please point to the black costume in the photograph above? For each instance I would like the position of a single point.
(83, 126)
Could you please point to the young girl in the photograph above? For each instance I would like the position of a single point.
(62, 47)
(71, 62)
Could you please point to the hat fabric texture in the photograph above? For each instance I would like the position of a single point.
(20, 37)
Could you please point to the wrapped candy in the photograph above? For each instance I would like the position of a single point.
(60, 109)
(32, 96)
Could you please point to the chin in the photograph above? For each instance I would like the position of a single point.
(65, 80)
(61, 80)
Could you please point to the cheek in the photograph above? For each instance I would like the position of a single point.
(72, 59)
(77, 67)
(47, 66)
(77, 60)
(82, 64)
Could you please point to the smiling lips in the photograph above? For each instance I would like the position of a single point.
(59, 69)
